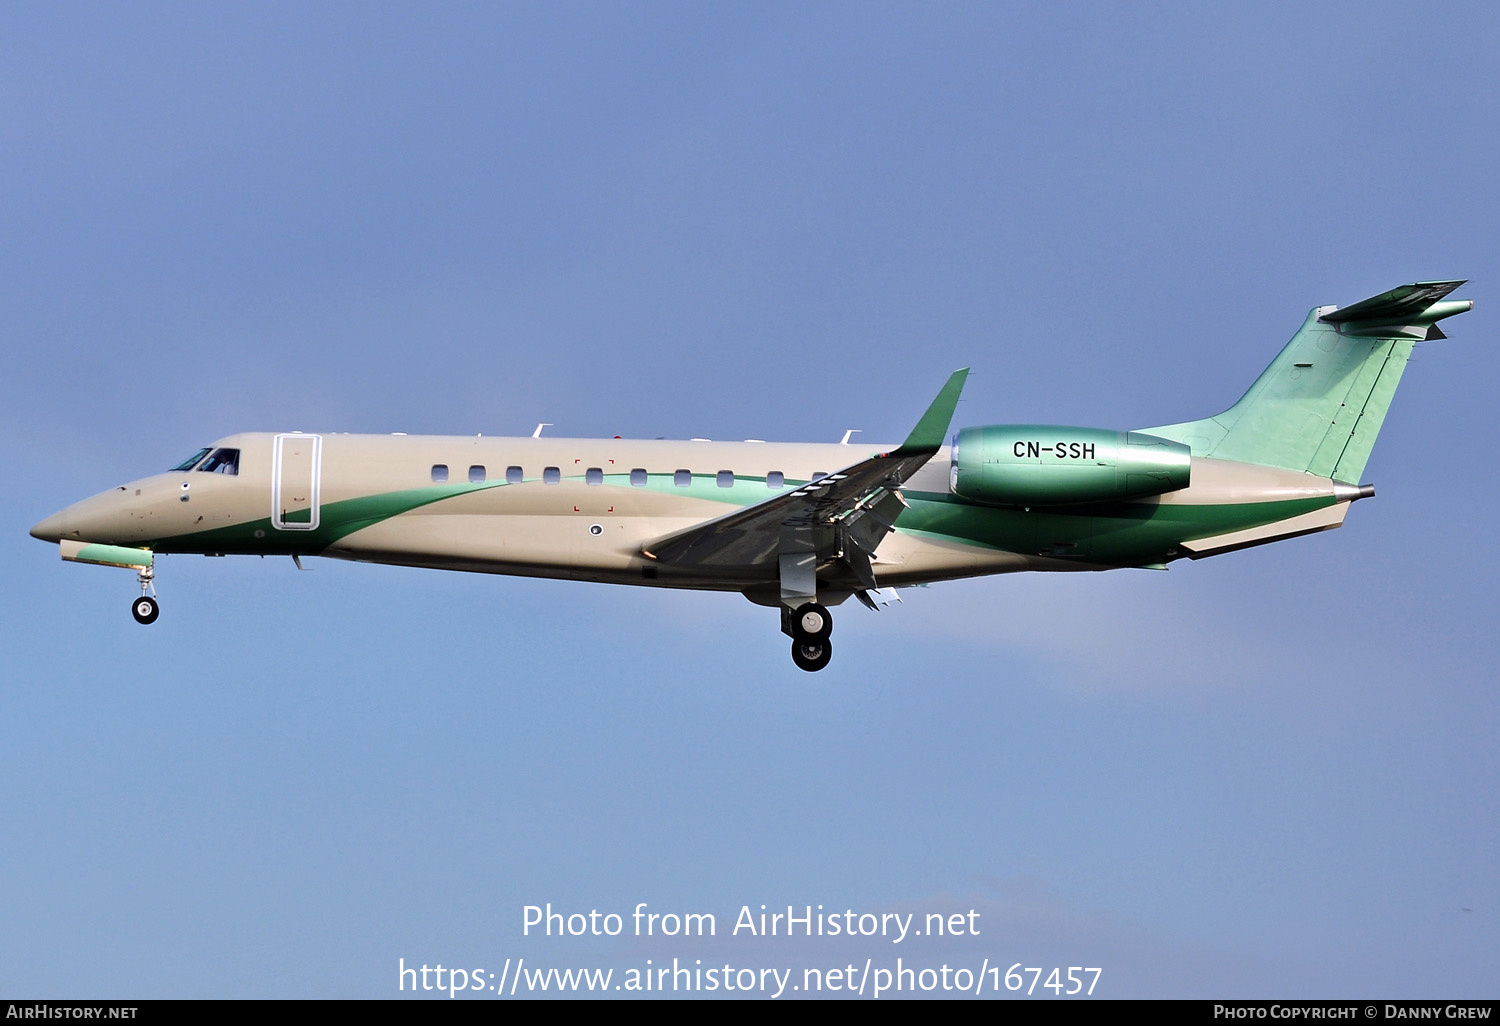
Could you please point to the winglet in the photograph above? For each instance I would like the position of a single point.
(927, 437)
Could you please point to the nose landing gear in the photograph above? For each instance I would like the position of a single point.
(146, 609)
(809, 626)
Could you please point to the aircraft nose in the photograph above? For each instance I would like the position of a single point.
(96, 519)
(51, 529)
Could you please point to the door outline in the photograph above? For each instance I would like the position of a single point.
(276, 483)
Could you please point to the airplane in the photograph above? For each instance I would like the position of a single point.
(797, 527)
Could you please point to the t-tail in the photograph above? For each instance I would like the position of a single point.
(1320, 404)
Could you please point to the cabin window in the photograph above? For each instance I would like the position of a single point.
(190, 462)
(223, 461)
(593, 476)
(440, 472)
(513, 475)
(682, 478)
(775, 479)
(638, 477)
(725, 478)
(476, 475)
(551, 475)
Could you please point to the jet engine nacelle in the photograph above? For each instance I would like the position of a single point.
(1043, 465)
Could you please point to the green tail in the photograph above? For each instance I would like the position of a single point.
(1321, 403)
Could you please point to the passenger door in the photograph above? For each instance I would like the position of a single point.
(296, 472)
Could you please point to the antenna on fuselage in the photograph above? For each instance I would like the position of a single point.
(538, 432)
(851, 431)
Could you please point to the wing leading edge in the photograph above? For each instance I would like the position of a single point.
(842, 517)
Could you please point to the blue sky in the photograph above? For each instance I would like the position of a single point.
(1267, 774)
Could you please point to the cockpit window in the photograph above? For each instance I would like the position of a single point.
(190, 462)
(223, 461)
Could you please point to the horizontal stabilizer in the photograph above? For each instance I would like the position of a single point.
(1406, 311)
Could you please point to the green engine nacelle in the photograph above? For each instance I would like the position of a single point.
(1042, 465)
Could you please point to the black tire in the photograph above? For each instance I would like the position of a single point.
(811, 622)
(145, 609)
(812, 656)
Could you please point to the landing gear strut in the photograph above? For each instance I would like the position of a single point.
(809, 626)
(145, 609)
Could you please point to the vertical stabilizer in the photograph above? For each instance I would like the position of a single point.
(1321, 403)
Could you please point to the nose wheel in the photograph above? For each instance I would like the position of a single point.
(146, 609)
(809, 626)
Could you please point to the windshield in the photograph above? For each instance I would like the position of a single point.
(190, 462)
(223, 461)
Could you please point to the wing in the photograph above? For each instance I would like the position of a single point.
(841, 517)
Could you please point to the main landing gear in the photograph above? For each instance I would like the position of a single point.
(145, 609)
(809, 626)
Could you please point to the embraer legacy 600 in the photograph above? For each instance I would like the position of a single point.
(799, 527)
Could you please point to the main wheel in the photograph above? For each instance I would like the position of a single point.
(811, 622)
(145, 609)
(812, 655)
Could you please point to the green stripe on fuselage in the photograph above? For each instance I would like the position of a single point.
(1115, 534)
(336, 520)
(1125, 533)
(342, 518)
(746, 491)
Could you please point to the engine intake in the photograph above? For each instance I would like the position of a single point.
(1045, 465)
